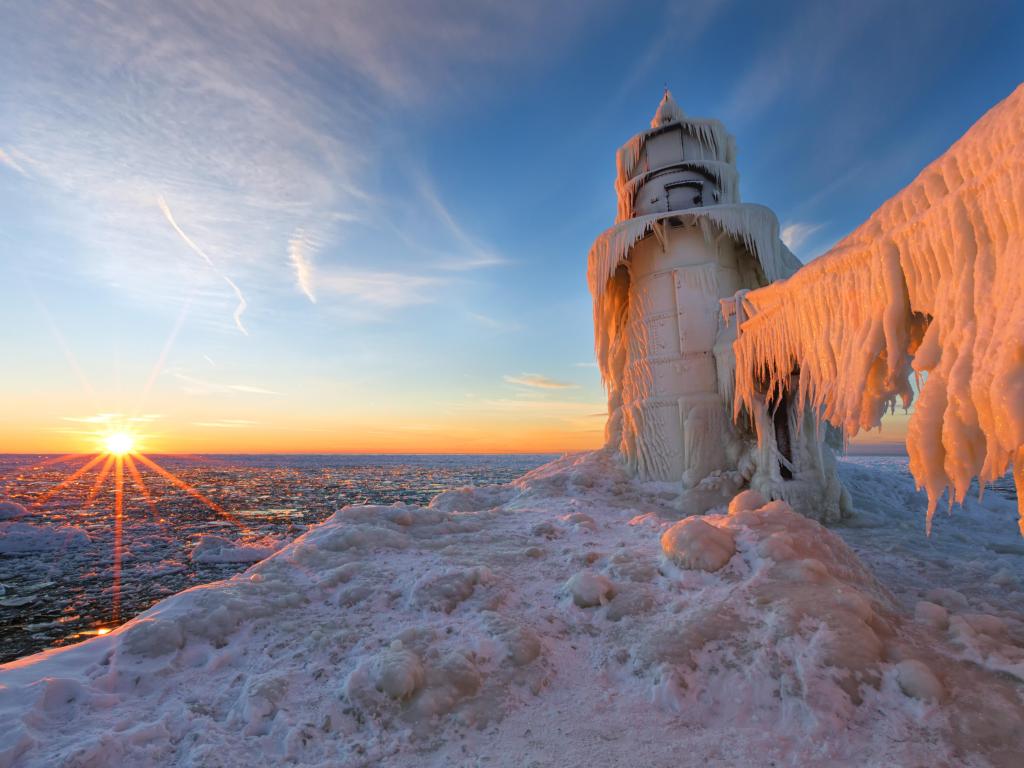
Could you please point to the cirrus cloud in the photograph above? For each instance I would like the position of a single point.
(538, 381)
(257, 120)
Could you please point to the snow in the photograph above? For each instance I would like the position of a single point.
(917, 680)
(217, 549)
(931, 285)
(545, 622)
(18, 538)
(754, 225)
(590, 589)
(668, 111)
(931, 614)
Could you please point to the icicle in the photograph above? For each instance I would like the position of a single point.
(933, 281)
(723, 174)
(709, 133)
(753, 225)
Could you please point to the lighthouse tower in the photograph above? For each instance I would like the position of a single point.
(683, 248)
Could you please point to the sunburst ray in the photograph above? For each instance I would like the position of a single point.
(96, 486)
(69, 479)
(141, 485)
(195, 493)
(118, 519)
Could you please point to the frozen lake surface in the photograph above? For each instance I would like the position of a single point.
(56, 591)
(61, 591)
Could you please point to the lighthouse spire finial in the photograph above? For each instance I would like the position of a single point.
(668, 111)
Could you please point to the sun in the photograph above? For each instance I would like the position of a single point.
(119, 444)
(119, 455)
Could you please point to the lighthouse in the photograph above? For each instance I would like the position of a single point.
(667, 281)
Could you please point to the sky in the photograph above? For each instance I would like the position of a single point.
(363, 225)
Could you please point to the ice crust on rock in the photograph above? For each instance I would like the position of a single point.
(338, 650)
(929, 285)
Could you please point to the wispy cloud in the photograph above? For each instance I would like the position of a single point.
(802, 59)
(240, 309)
(226, 423)
(797, 233)
(538, 381)
(382, 289)
(99, 418)
(107, 418)
(300, 252)
(472, 254)
(223, 109)
(679, 25)
(7, 160)
(560, 406)
(492, 322)
(191, 385)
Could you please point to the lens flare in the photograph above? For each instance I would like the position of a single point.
(119, 443)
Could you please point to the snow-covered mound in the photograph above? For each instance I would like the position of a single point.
(565, 619)
(17, 538)
(930, 284)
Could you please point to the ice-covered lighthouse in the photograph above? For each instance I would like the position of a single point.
(665, 280)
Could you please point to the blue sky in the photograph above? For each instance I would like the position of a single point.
(364, 225)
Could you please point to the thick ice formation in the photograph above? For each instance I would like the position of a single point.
(932, 284)
(217, 549)
(11, 510)
(16, 537)
(558, 620)
(683, 242)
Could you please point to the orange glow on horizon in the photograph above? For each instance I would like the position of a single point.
(488, 435)
(460, 435)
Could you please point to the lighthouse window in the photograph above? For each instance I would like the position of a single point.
(685, 194)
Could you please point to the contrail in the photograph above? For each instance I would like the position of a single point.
(299, 248)
(242, 304)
